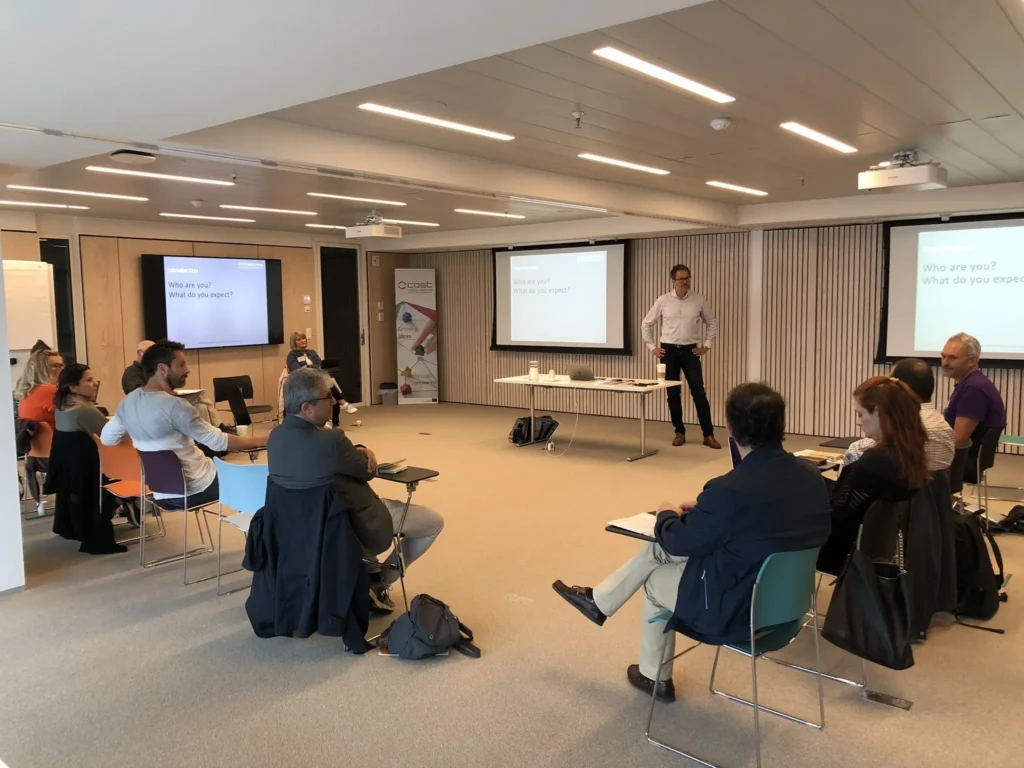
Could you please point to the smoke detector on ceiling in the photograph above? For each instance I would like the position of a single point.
(721, 123)
(132, 157)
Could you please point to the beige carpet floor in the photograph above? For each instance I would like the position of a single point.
(104, 664)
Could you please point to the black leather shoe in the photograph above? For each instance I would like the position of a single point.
(666, 688)
(582, 599)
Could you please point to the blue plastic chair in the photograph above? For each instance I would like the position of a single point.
(783, 594)
(243, 488)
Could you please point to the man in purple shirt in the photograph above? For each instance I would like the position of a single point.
(975, 405)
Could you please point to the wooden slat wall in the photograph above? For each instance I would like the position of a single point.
(822, 302)
(468, 369)
(112, 291)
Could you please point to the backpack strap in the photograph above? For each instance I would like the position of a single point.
(464, 644)
(994, 547)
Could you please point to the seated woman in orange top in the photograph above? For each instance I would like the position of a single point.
(38, 385)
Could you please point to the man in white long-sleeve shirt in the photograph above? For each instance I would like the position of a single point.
(681, 312)
(157, 420)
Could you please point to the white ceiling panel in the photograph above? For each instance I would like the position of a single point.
(982, 33)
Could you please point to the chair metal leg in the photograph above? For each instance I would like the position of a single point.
(202, 549)
(654, 700)
(220, 537)
(757, 709)
(398, 543)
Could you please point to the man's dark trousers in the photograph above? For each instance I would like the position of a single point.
(679, 359)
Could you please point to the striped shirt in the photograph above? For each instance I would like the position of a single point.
(938, 447)
(680, 320)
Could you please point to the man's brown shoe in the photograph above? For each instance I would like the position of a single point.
(710, 442)
(678, 440)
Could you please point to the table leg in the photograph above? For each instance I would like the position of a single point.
(644, 453)
(410, 487)
(533, 420)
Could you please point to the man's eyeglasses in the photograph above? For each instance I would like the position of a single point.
(680, 280)
(328, 397)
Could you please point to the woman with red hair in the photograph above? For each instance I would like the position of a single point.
(892, 470)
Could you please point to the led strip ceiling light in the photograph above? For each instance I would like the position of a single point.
(78, 192)
(208, 218)
(490, 213)
(653, 70)
(355, 199)
(45, 205)
(623, 164)
(533, 201)
(391, 111)
(411, 223)
(821, 138)
(164, 176)
(736, 188)
(383, 221)
(267, 210)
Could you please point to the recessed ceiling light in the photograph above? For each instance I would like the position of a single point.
(44, 205)
(324, 226)
(653, 70)
(411, 223)
(267, 210)
(821, 138)
(533, 201)
(208, 218)
(736, 188)
(490, 213)
(151, 175)
(435, 121)
(77, 192)
(356, 199)
(623, 164)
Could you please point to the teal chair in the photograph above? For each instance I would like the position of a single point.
(243, 488)
(783, 594)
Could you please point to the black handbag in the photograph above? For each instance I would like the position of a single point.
(869, 615)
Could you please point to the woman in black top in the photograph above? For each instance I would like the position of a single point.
(301, 356)
(893, 470)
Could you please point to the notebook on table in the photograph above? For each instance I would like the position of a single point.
(638, 526)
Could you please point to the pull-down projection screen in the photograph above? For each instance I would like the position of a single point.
(561, 299)
(947, 278)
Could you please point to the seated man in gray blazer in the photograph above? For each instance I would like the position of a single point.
(301, 454)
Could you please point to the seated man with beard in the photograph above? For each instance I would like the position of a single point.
(157, 420)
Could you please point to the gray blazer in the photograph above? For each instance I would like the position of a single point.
(302, 455)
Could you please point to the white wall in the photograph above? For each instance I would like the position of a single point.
(12, 558)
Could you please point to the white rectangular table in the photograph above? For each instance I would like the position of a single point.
(642, 387)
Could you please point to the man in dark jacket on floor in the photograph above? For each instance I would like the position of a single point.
(709, 551)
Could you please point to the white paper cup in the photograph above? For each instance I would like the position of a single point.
(242, 430)
(661, 371)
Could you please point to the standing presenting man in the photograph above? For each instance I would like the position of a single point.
(681, 311)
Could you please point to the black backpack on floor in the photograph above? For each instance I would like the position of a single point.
(429, 628)
(520, 433)
(977, 585)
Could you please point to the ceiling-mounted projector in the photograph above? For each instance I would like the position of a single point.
(373, 227)
(903, 172)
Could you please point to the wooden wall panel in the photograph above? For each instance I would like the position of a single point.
(112, 290)
(382, 341)
(298, 279)
(230, 361)
(104, 335)
(822, 304)
(465, 297)
(129, 253)
(19, 246)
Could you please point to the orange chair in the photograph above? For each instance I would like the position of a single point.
(120, 463)
(36, 475)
